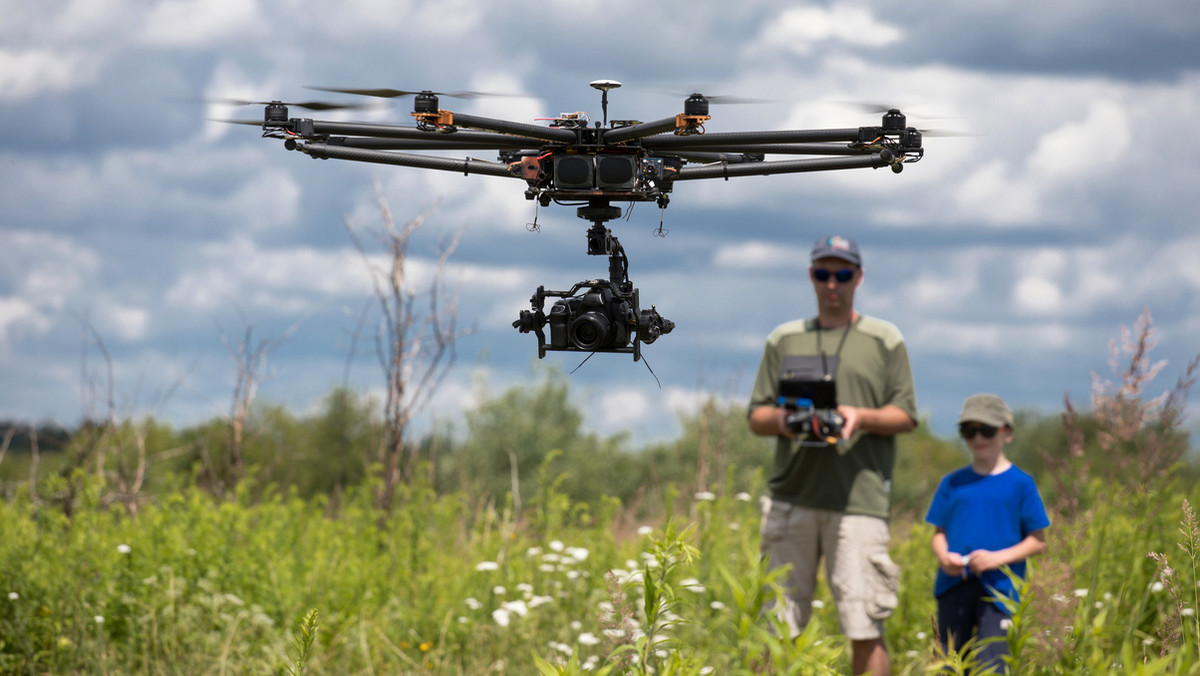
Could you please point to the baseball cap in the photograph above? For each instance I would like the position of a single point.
(988, 409)
(837, 247)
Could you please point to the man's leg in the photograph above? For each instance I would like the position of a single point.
(789, 536)
(864, 581)
(870, 657)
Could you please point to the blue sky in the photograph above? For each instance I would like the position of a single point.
(1010, 257)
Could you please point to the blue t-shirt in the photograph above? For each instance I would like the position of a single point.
(989, 512)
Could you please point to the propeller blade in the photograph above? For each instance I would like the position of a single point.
(946, 133)
(722, 99)
(396, 93)
(249, 123)
(308, 105)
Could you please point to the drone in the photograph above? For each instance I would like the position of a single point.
(590, 165)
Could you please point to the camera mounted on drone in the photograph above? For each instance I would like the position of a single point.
(575, 161)
(597, 315)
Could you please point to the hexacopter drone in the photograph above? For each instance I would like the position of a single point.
(570, 161)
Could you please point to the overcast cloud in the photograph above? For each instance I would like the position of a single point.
(1010, 256)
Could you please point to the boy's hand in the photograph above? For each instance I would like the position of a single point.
(954, 564)
(982, 559)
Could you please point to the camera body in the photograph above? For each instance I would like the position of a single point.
(593, 316)
(596, 319)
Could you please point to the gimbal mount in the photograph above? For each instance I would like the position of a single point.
(607, 316)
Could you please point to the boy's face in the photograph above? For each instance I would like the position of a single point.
(984, 440)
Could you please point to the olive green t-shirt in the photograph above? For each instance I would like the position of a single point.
(872, 371)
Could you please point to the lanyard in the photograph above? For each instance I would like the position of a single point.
(838, 354)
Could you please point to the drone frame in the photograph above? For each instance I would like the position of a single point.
(571, 161)
(622, 161)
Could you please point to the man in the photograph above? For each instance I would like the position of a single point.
(830, 496)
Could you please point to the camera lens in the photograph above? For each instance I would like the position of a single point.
(589, 331)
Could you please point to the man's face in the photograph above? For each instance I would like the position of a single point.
(836, 292)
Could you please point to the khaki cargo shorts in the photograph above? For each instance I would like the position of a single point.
(863, 578)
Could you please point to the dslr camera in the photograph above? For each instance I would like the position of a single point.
(596, 315)
(593, 316)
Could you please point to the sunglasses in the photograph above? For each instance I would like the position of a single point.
(842, 276)
(968, 432)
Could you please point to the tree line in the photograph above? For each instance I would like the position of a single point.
(510, 440)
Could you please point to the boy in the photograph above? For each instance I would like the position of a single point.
(987, 515)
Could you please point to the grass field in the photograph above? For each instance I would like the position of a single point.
(448, 585)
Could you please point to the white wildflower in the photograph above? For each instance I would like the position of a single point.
(1156, 587)
(557, 545)
(692, 584)
(588, 638)
(1080, 593)
(1187, 612)
(533, 552)
(473, 603)
(525, 588)
(99, 619)
(717, 605)
(13, 596)
(499, 590)
(124, 549)
(707, 496)
(818, 604)
(501, 616)
(921, 636)
(487, 565)
(742, 497)
(645, 530)
(517, 607)
(578, 553)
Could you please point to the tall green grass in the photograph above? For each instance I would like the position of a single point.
(448, 585)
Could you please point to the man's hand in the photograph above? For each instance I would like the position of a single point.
(850, 420)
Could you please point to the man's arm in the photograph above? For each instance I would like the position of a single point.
(887, 421)
(768, 421)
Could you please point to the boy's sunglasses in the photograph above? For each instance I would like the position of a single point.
(844, 275)
(968, 432)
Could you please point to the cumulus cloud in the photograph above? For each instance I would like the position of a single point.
(192, 23)
(1025, 239)
(24, 74)
(800, 29)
